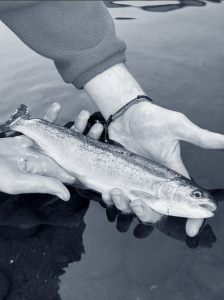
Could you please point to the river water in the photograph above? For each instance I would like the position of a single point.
(70, 251)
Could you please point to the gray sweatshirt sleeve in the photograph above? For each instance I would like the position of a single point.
(79, 36)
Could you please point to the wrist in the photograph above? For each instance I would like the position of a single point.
(120, 129)
(112, 89)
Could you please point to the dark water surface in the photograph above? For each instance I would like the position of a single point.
(69, 250)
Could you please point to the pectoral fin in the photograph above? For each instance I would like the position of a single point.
(152, 201)
(140, 194)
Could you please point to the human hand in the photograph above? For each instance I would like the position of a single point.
(174, 227)
(154, 132)
(118, 208)
(25, 170)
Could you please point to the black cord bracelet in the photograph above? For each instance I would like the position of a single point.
(140, 98)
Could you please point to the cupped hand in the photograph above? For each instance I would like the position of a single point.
(25, 170)
(154, 132)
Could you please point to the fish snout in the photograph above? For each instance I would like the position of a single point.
(210, 206)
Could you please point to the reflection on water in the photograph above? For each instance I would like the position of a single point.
(158, 6)
(38, 242)
(177, 58)
(120, 18)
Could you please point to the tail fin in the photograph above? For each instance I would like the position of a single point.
(21, 112)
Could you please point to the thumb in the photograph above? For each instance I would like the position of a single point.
(29, 183)
(203, 138)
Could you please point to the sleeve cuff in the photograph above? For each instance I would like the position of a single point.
(82, 79)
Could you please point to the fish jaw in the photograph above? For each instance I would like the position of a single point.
(201, 214)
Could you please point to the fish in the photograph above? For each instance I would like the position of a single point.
(101, 167)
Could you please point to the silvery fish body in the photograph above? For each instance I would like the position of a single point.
(101, 167)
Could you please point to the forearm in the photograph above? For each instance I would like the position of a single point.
(113, 89)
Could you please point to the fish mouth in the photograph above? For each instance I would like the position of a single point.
(210, 206)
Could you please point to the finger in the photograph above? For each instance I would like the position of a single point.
(203, 138)
(120, 200)
(25, 183)
(193, 226)
(81, 121)
(107, 198)
(95, 131)
(44, 166)
(52, 112)
(50, 168)
(144, 212)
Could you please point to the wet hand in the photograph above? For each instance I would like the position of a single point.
(25, 170)
(154, 132)
(174, 227)
(118, 205)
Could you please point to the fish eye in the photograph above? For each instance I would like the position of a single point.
(197, 194)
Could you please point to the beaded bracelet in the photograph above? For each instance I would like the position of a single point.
(140, 98)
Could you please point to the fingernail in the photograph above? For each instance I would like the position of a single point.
(84, 112)
(116, 198)
(138, 209)
(56, 105)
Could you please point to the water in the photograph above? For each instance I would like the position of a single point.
(175, 51)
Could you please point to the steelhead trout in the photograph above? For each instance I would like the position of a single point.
(101, 167)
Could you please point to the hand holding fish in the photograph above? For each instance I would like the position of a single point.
(22, 166)
(102, 167)
(155, 132)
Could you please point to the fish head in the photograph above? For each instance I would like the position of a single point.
(185, 198)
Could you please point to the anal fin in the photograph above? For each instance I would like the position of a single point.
(80, 182)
